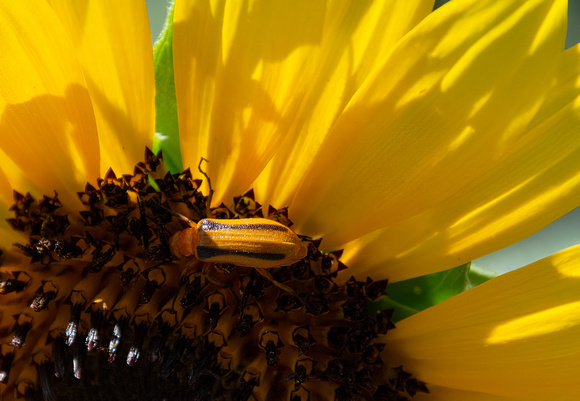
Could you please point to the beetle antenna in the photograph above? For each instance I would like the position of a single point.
(210, 195)
(182, 217)
(173, 212)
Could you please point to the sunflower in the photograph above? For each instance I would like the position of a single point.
(410, 141)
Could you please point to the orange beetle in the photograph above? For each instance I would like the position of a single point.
(258, 243)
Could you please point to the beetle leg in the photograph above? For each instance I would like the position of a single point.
(283, 287)
(212, 280)
(246, 295)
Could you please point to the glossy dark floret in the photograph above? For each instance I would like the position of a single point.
(98, 308)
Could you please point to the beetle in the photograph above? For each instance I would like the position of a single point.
(256, 242)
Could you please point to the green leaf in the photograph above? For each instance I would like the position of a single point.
(167, 135)
(411, 296)
(479, 276)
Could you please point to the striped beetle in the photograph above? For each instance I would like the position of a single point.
(255, 242)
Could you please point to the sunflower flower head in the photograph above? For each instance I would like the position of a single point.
(110, 299)
(404, 141)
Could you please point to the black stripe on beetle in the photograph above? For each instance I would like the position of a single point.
(206, 252)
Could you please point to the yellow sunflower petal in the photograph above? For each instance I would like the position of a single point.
(7, 235)
(6, 193)
(515, 336)
(535, 185)
(437, 393)
(565, 88)
(113, 43)
(350, 48)
(448, 106)
(249, 74)
(47, 123)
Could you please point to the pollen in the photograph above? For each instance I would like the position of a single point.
(96, 305)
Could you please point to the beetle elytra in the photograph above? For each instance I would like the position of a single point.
(257, 242)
